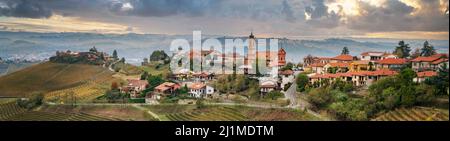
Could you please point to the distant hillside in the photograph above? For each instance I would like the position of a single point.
(7, 68)
(136, 47)
(46, 77)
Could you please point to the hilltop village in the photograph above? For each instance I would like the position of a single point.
(369, 86)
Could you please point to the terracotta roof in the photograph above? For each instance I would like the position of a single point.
(426, 59)
(202, 74)
(343, 57)
(439, 61)
(197, 86)
(137, 83)
(286, 72)
(340, 65)
(383, 72)
(392, 61)
(426, 74)
(268, 84)
(166, 86)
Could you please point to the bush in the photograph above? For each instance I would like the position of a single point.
(319, 97)
(302, 82)
(275, 95)
(35, 100)
(287, 86)
(137, 100)
(200, 104)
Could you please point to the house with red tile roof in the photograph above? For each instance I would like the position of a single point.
(371, 56)
(317, 68)
(134, 87)
(199, 90)
(431, 63)
(391, 63)
(344, 58)
(361, 78)
(167, 88)
(422, 76)
(267, 86)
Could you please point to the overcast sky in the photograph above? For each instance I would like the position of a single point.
(424, 19)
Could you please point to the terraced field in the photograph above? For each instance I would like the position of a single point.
(10, 111)
(213, 114)
(9, 108)
(414, 114)
(48, 77)
(83, 93)
(49, 116)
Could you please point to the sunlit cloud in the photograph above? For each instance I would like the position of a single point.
(408, 35)
(58, 23)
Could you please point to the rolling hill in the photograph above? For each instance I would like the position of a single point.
(48, 77)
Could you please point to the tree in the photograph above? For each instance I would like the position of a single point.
(289, 66)
(274, 95)
(320, 97)
(427, 49)
(115, 55)
(122, 60)
(302, 82)
(345, 51)
(416, 53)
(93, 50)
(402, 50)
(406, 76)
(371, 68)
(308, 59)
(114, 86)
(154, 81)
(441, 81)
(36, 99)
(144, 75)
(113, 95)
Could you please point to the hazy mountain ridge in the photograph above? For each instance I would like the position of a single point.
(134, 47)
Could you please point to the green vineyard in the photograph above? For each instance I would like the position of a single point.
(215, 114)
(414, 114)
(89, 90)
(10, 111)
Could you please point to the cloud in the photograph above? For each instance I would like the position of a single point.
(318, 15)
(396, 15)
(23, 8)
(162, 8)
(287, 11)
(286, 17)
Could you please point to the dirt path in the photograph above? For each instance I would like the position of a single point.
(148, 111)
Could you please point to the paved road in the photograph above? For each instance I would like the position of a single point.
(291, 94)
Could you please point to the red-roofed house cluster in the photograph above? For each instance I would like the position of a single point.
(369, 67)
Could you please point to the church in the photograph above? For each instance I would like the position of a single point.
(273, 58)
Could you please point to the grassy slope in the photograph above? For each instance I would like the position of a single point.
(153, 70)
(46, 77)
